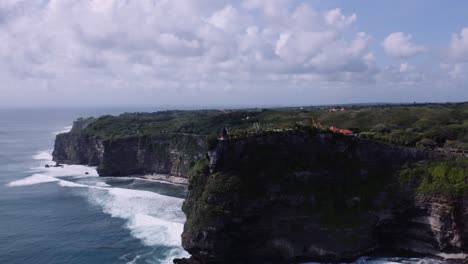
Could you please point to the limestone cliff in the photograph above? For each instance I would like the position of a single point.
(297, 196)
(285, 197)
(74, 148)
(171, 153)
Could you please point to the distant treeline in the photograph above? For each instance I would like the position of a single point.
(422, 125)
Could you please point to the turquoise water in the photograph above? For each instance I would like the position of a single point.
(62, 215)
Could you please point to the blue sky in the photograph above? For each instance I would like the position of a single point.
(222, 52)
(431, 22)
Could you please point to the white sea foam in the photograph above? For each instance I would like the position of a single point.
(45, 175)
(43, 155)
(174, 253)
(70, 170)
(153, 231)
(72, 184)
(155, 219)
(64, 130)
(33, 179)
(45, 158)
(101, 184)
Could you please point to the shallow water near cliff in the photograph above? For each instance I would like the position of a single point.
(63, 215)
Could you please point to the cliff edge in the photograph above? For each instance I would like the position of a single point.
(297, 196)
(130, 154)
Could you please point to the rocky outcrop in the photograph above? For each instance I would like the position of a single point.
(74, 148)
(170, 154)
(294, 196)
(82, 123)
(434, 225)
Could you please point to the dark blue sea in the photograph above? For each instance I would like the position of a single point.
(63, 215)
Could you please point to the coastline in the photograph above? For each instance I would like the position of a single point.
(163, 178)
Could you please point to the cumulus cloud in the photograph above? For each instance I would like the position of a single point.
(399, 45)
(458, 50)
(455, 57)
(404, 74)
(178, 45)
(164, 51)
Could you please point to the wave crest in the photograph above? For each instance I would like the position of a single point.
(155, 219)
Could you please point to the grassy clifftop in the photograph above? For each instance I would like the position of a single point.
(428, 125)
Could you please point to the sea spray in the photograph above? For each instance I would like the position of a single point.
(155, 219)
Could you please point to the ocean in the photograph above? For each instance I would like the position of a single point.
(70, 215)
(63, 215)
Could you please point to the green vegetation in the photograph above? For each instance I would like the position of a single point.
(424, 125)
(427, 125)
(343, 196)
(199, 168)
(201, 209)
(449, 177)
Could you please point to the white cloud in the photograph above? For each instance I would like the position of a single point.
(224, 18)
(400, 46)
(458, 50)
(405, 67)
(177, 41)
(335, 17)
(177, 51)
(456, 71)
(455, 59)
(404, 75)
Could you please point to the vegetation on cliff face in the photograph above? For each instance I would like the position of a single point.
(197, 180)
(448, 177)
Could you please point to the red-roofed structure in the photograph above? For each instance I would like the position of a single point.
(346, 131)
(343, 131)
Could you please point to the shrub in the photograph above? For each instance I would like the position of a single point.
(449, 177)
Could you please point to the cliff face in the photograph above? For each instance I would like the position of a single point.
(160, 154)
(290, 197)
(170, 154)
(71, 148)
(434, 225)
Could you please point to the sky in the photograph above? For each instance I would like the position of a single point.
(233, 53)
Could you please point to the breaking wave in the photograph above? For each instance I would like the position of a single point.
(155, 219)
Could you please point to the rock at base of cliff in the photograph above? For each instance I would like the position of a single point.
(190, 260)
